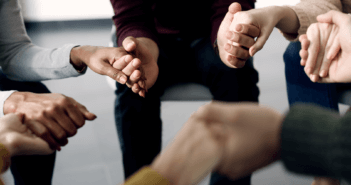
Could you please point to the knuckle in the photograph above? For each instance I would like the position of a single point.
(72, 132)
(61, 135)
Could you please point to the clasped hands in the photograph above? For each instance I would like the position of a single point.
(326, 48)
(54, 117)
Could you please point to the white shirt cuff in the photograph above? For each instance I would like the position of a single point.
(3, 97)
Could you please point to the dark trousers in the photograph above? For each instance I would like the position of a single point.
(36, 169)
(301, 89)
(138, 120)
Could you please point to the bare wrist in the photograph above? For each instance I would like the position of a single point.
(76, 59)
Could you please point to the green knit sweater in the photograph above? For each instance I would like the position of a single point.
(317, 142)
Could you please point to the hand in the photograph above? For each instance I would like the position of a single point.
(18, 139)
(252, 136)
(325, 181)
(337, 53)
(233, 45)
(146, 50)
(231, 138)
(113, 62)
(52, 117)
(316, 45)
(194, 152)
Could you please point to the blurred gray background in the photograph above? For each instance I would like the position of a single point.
(93, 156)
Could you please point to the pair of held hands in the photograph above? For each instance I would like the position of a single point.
(325, 48)
(54, 117)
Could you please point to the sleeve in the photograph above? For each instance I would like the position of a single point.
(21, 60)
(147, 176)
(3, 97)
(134, 19)
(317, 142)
(307, 12)
(220, 9)
(5, 160)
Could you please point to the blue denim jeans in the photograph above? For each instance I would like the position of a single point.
(300, 88)
(138, 121)
(35, 169)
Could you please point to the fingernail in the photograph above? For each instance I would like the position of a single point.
(59, 148)
(133, 63)
(125, 59)
(323, 73)
(309, 70)
(123, 79)
(129, 45)
(238, 27)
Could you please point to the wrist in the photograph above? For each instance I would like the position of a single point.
(77, 58)
(287, 20)
(11, 103)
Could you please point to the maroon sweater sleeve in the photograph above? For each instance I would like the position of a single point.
(133, 18)
(220, 8)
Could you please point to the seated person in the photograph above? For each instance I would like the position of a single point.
(174, 49)
(56, 116)
(292, 21)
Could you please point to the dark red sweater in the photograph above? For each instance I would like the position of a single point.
(189, 18)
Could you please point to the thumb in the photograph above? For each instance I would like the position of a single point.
(129, 44)
(87, 115)
(333, 17)
(105, 68)
(234, 7)
(260, 42)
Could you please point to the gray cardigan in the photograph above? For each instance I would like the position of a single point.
(23, 61)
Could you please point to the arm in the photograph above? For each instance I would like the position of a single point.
(307, 11)
(133, 19)
(20, 59)
(316, 141)
(136, 33)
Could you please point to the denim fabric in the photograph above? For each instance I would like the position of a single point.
(138, 120)
(35, 169)
(300, 88)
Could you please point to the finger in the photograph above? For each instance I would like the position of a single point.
(313, 50)
(63, 119)
(242, 40)
(41, 131)
(334, 17)
(135, 76)
(129, 43)
(305, 43)
(56, 130)
(142, 84)
(106, 69)
(334, 49)
(74, 114)
(142, 93)
(122, 62)
(236, 62)
(132, 66)
(136, 88)
(87, 115)
(236, 51)
(249, 30)
(331, 47)
(304, 56)
(260, 42)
